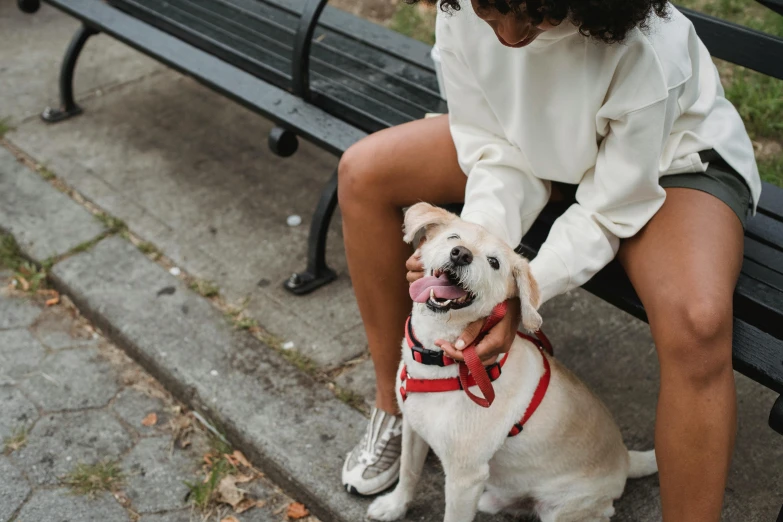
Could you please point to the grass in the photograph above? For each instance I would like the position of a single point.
(414, 21)
(91, 479)
(113, 224)
(207, 289)
(771, 169)
(10, 256)
(5, 127)
(149, 249)
(28, 276)
(16, 441)
(201, 494)
(351, 398)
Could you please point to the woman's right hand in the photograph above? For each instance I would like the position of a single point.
(414, 265)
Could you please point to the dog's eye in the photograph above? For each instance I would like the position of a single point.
(453, 236)
(493, 262)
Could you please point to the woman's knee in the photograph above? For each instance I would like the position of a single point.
(692, 332)
(358, 173)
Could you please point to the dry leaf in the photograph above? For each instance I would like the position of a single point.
(228, 493)
(150, 420)
(241, 478)
(53, 301)
(230, 518)
(244, 505)
(24, 283)
(208, 459)
(241, 459)
(296, 510)
(260, 503)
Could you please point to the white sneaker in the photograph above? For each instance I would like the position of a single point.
(373, 465)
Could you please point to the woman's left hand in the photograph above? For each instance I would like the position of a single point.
(498, 339)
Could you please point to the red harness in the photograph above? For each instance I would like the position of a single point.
(471, 371)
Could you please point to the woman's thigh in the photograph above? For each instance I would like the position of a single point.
(403, 165)
(684, 266)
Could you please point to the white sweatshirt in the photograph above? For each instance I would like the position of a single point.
(611, 118)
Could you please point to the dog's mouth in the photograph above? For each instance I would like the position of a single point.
(442, 291)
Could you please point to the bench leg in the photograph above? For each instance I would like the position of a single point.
(68, 107)
(318, 273)
(776, 416)
(780, 515)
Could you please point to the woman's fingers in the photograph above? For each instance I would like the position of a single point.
(469, 334)
(415, 267)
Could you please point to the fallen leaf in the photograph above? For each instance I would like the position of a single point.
(241, 458)
(24, 283)
(296, 510)
(244, 505)
(228, 493)
(230, 518)
(260, 503)
(241, 478)
(231, 460)
(208, 459)
(150, 420)
(53, 301)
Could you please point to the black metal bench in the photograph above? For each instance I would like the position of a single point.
(331, 78)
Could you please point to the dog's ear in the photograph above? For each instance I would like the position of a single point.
(424, 216)
(529, 295)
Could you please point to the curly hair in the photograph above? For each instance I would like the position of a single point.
(608, 21)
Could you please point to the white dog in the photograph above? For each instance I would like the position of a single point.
(569, 462)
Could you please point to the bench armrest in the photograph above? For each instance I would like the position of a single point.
(300, 63)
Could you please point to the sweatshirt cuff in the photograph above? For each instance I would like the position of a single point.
(550, 273)
(493, 225)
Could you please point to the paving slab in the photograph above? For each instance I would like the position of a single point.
(60, 441)
(20, 352)
(71, 380)
(58, 329)
(16, 313)
(157, 484)
(14, 489)
(360, 379)
(62, 505)
(30, 57)
(45, 223)
(17, 413)
(133, 406)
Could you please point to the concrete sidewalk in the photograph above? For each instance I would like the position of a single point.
(189, 173)
(90, 436)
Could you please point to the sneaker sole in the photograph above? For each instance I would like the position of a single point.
(353, 491)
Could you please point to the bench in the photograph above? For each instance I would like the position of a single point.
(331, 78)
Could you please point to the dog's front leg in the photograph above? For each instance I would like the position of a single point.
(464, 486)
(414, 452)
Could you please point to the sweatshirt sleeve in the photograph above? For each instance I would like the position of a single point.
(614, 200)
(500, 195)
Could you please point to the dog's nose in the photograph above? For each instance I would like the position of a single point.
(461, 256)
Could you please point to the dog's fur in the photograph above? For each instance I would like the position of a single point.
(568, 464)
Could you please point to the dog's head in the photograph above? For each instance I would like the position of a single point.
(467, 270)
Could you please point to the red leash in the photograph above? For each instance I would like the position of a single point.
(472, 365)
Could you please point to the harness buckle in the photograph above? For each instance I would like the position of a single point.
(426, 356)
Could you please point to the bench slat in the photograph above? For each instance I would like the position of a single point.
(737, 44)
(763, 366)
(366, 93)
(308, 121)
(771, 202)
(764, 255)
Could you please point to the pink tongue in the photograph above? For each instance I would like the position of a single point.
(442, 287)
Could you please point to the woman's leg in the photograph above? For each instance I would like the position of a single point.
(379, 176)
(684, 265)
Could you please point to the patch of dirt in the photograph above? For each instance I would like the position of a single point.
(767, 149)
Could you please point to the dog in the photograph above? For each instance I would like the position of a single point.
(568, 463)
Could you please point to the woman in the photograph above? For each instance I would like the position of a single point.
(619, 101)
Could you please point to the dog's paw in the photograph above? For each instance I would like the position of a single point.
(387, 507)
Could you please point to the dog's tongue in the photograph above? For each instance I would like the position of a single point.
(441, 287)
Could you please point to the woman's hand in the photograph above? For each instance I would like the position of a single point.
(498, 339)
(414, 265)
